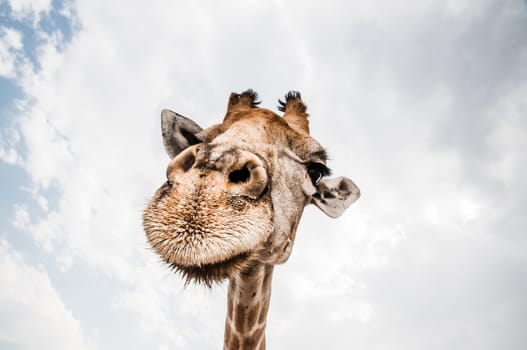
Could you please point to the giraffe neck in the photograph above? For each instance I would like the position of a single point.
(247, 305)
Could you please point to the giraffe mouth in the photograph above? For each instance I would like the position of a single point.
(204, 233)
(215, 272)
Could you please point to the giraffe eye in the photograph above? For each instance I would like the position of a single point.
(317, 171)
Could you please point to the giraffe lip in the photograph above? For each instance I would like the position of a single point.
(214, 272)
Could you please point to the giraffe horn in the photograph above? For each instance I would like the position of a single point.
(295, 112)
(238, 102)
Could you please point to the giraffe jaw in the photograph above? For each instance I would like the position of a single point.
(208, 274)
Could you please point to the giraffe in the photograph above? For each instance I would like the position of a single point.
(233, 199)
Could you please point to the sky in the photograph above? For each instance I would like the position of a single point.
(421, 103)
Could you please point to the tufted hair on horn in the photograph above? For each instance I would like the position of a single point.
(295, 112)
(237, 102)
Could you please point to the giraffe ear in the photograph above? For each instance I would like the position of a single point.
(178, 132)
(333, 196)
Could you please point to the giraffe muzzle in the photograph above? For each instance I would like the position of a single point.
(244, 173)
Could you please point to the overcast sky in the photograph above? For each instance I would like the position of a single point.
(422, 103)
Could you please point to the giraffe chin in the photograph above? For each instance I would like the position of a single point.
(208, 274)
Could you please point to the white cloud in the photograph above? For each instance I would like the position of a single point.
(10, 156)
(29, 9)
(32, 313)
(8, 140)
(12, 38)
(10, 48)
(21, 217)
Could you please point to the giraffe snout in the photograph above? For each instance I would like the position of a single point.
(244, 174)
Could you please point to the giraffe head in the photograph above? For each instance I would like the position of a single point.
(235, 191)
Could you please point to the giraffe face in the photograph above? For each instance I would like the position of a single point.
(235, 192)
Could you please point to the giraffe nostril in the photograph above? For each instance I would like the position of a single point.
(188, 162)
(240, 175)
(247, 178)
(182, 163)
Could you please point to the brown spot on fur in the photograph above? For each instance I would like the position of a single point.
(258, 333)
(229, 308)
(263, 312)
(249, 343)
(234, 343)
(251, 317)
(228, 333)
(239, 319)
